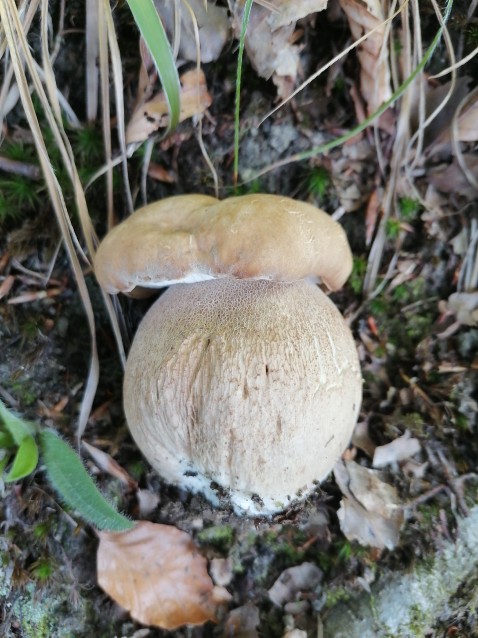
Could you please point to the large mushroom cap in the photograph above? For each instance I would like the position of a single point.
(192, 238)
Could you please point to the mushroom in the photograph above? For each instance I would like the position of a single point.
(243, 380)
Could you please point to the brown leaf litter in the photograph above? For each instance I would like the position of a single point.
(157, 573)
(370, 511)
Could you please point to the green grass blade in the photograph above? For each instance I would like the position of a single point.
(6, 440)
(17, 427)
(154, 35)
(70, 479)
(25, 460)
(237, 109)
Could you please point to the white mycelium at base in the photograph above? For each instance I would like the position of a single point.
(254, 386)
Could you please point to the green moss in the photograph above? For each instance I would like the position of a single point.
(220, 537)
(318, 183)
(22, 390)
(335, 595)
(413, 422)
(358, 273)
(403, 330)
(393, 228)
(37, 615)
(43, 569)
(409, 208)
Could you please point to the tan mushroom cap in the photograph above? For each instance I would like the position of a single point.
(191, 238)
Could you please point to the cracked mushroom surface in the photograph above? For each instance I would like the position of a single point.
(245, 380)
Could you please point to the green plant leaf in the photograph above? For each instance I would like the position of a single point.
(151, 28)
(25, 460)
(70, 479)
(17, 427)
(6, 440)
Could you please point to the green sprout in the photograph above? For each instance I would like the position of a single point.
(319, 182)
(409, 208)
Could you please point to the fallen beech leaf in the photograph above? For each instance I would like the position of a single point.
(363, 16)
(269, 38)
(449, 178)
(402, 448)
(243, 622)
(153, 114)
(464, 305)
(293, 580)
(362, 440)
(212, 23)
(221, 571)
(467, 129)
(370, 511)
(157, 573)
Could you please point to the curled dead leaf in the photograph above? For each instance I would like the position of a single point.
(243, 622)
(153, 114)
(363, 17)
(370, 512)
(212, 24)
(306, 576)
(464, 305)
(400, 449)
(270, 38)
(157, 573)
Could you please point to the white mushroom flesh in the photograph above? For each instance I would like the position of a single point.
(253, 386)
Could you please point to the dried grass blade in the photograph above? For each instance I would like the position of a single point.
(117, 70)
(105, 109)
(19, 51)
(91, 58)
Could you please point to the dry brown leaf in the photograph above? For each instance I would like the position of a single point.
(374, 69)
(284, 12)
(362, 440)
(401, 449)
(269, 38)
(153, 114)
(370, 511)
(293, 580)
(106, 463)
(221, 570)
(464, 305)
(450, 178)
(443, 100)
(147, 502)
(242, 622)
(161, 174)
(157, 573)
(6, 286)
(467, 125)
(212, 23)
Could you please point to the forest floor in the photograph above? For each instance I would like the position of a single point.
(418, 348)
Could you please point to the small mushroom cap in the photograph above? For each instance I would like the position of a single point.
(192, 238)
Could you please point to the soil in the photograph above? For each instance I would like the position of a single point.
(420, 377)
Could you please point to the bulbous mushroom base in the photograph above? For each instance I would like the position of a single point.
(252, 386)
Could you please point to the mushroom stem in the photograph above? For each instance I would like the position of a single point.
(250, 385)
